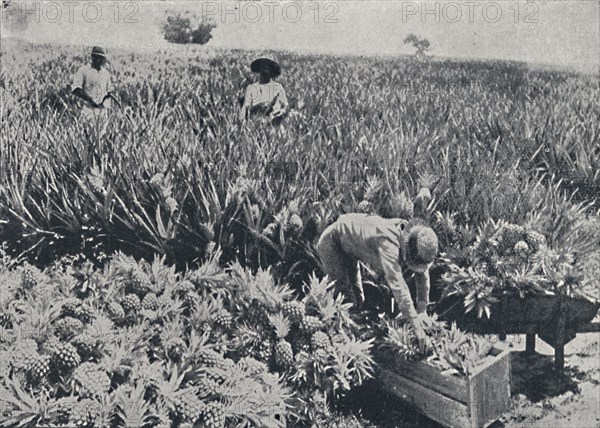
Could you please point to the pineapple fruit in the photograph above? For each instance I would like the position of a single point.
(535, 240)
(257, 316)
(150, 302)
(139, 282)
(39, 369)
(85, 313)
(294, 310)
(310, 324)
(65, 356)
(85, 343)
(211, 358)
(213, 415)
(91, 380)
(224, 320)
(264, 351)
(24, 354)
(131, 303)
(284, 355)
(252, 366)
(320, 340)
(30, 277)
(66, 328)
(116, 311)
(69, 307)
(188, 405)
(208, 386)
(85, 412)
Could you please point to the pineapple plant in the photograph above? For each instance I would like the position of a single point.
(131, 407)
(246, 339)
(213, 415)
(85, 343)
(294, 310)
(284, 355)
(65, 356)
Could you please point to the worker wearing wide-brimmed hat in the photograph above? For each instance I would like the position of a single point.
(382, 244)
(92, 84)
(265, 97)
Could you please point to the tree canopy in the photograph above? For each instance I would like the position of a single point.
(183, 28)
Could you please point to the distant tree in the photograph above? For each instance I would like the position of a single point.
(185, 28)
(421, 44)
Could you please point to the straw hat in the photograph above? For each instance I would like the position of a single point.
(422, 246)
(99, 51)
(262, 64)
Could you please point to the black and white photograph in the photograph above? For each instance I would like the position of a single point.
(305, 214)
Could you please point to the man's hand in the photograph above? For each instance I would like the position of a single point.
(420, 325)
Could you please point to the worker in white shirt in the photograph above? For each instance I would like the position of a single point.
(382, 244)
(265, 97)
(92, 84)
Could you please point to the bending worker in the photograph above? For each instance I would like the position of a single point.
(382, 244)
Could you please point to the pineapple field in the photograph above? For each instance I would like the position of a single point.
(159, 269)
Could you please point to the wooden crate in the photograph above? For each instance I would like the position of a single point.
(454, 401)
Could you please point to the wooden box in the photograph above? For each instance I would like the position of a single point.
(454, 401)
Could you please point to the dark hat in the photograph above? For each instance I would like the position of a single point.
(98, 51)
(261, 64)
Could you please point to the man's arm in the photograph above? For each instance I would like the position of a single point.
(388, 253)
(247, 104)
(423, 285)
(84, 96)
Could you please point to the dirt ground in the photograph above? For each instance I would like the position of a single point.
(540, 398)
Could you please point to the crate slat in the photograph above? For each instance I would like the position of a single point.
(489, 388)
(442, 409)
(467, 402)
(423, 373)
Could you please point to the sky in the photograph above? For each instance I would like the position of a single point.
(564, 33)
